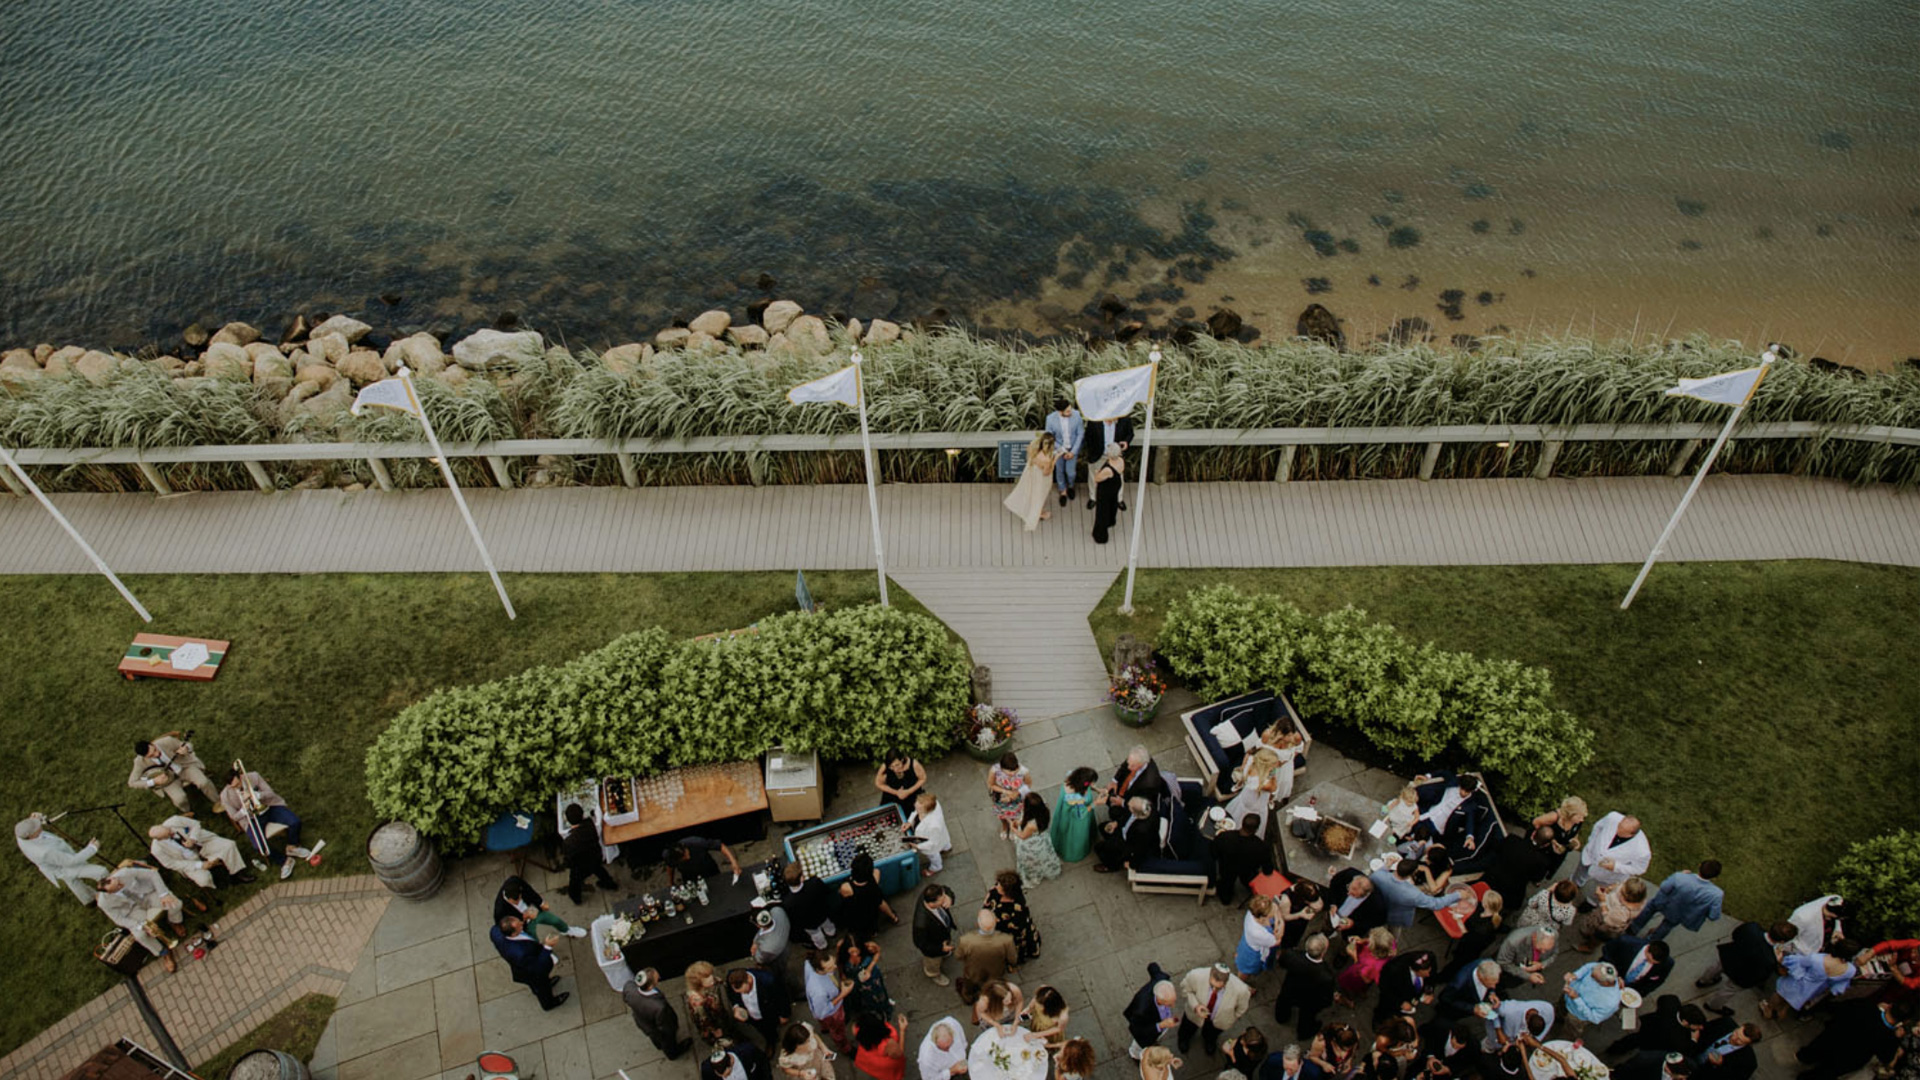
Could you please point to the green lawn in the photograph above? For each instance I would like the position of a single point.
(1764, 714)
(294, 1030)
(319, 664)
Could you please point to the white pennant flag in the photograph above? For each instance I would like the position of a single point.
(842, 386)
(388, 394)
(1112, 395)
(1731, 388)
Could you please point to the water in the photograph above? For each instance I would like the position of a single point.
(1744, 168)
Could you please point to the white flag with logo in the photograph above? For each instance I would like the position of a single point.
(388, 394)
(842, 386)
(1114, 394)
(1732, 388)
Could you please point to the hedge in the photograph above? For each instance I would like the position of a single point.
(849, 683)
(1412, 701)
(1881, 880)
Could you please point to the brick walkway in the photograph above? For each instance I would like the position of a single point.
(293, 939)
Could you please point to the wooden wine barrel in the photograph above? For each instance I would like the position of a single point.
(269, 1065)
(405, 861)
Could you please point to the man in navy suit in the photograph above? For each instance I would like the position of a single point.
(1154, 1011)
(1727, 1051)
(760, 1002)
(1687, 898)
(1643, 965)
(1067, 429)
(530, 961)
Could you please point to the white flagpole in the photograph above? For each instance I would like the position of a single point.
(873, 498)
(1674, 521)
(446, 470)
(1140, 499)
(98, 563)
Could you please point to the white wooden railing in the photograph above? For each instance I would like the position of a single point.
(1551, 437)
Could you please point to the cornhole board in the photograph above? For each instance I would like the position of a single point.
(151, 657)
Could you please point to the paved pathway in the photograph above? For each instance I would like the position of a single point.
(290, 940)
(946, 526)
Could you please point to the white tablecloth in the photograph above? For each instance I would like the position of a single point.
(1028, 1058)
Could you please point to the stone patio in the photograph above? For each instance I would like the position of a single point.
(428, 993)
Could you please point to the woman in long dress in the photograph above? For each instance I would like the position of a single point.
(1073, 816)
(1029, 498)
(1032, 844)
(1264, 782)
(1107, 480)
(1008, 902)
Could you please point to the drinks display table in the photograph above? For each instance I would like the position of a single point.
(721, 931)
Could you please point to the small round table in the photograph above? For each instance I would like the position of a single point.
(1024, 1058)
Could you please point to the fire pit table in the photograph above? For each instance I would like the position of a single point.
(1339, 838)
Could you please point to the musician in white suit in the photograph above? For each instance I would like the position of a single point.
(1616, 851)
(190, 849)
(134, 897)
(56, 858)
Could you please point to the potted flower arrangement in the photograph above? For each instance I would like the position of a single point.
(987, 730)
(1135, 692)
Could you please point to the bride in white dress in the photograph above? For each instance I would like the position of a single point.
(1029, 499)
(1266, 781)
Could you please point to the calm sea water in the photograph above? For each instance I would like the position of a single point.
(1744, 167)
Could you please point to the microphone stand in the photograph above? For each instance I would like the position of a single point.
(139, 839)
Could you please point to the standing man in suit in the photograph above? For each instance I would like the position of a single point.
(1749, 958)
(1214, 999)
(530, 961)
(1067, 429)
(168, 766)
(516, 897)
(1728, 1053)
(585, 858)
(1687, 898)
(810, 903)
(736, 1061)
(1516, 861)
(1354, 906)
(933, 931)
(1643, 965)
(1100, 435)
(1308, 987)
(1239, 857)
(653, 1014)
(760, 1002)
(1474, 986)
(1153, 1012)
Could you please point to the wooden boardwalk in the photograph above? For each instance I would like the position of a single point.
(1350, 523)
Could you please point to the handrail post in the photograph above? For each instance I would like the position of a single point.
(1160, 469)
(380, 474)
(1429, 460)
(629, 472)
(259, 473)
(154, 478)
(500, 475)
(1284, 471)
(1549, 453)
(1683, 455)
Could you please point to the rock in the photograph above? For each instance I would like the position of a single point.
(1318, 324)
(195, 335)
(332, 348)
(711, 323)
(1224, 323)
(809, 336)
(320, 375)
(95, 366)
(353, 487)
(779, 345)
(41, 352)
(16, 379)
(60, 361)
(882, 332)
(301, 391)
(19, 360)
(854, 330)
(295, 332)
(748, 336)
(1129, 330)
(169, 364)
(780, 315)
(192, 369)
(260, 348)
(673, 337)
(345, 325)
(331, 401)
(226, 360)
(236, 333)
(363, 366)
(454, 375)
(420, 352)
(628, 358)
(485, 349)
(698, 342)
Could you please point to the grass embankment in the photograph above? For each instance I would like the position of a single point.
(1758, 713)
(294, 1030)
(320, 664)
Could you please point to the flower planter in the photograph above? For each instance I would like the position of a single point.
(989, 755)
(1140, 717)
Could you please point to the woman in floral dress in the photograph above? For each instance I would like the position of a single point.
(861, 963)
(1008, 902)
(1072, 829)
(1007, 787)
(706, 1013)
(1032, 845)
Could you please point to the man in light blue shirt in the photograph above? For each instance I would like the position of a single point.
(1510, 1019)
(1404, 897)
(1067, 429)
(1687, 898)
(1592, 995)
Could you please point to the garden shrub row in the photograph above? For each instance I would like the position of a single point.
(1413, 701)
(847, 683)
(1880, 878)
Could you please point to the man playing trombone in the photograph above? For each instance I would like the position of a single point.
(252, 806)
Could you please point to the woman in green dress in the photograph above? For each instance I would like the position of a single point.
(1072, 829)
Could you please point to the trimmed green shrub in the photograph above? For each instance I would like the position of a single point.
(1881, 879)
(1415, 702)
(849, 683)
